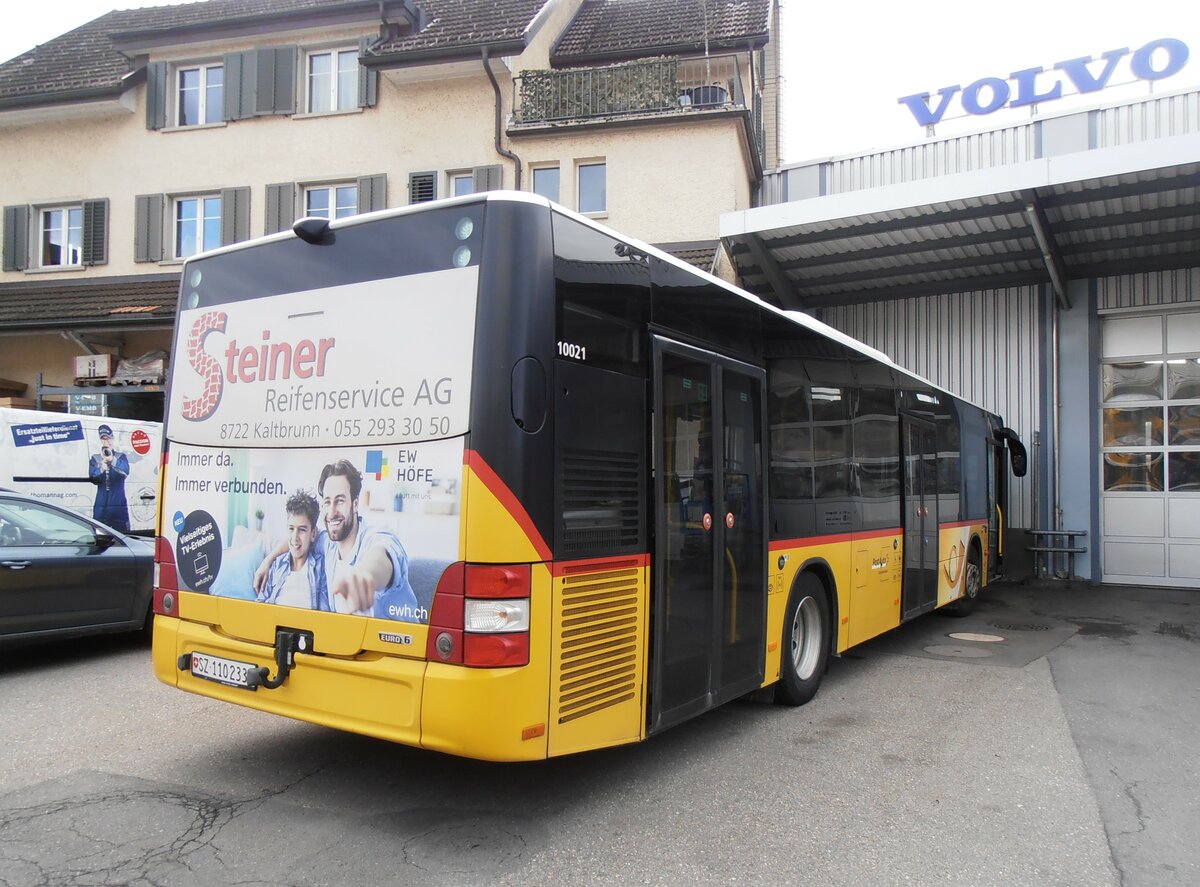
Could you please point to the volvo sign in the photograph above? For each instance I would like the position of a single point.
(1157, 60)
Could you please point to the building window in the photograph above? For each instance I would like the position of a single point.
(546, 182)
(332, 80)
(462, 183)
(197, 225)
(62, 237)
(331, 201)
(592, 188)
(201, 95)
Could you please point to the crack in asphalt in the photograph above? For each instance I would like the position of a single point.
(143, 865)
(1127, 788)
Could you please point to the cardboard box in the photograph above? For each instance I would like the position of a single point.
(93, 366)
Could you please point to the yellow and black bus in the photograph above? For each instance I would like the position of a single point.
(484, 477)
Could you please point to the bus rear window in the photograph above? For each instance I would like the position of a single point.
(416, 243)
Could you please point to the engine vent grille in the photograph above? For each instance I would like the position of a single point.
(601, 501)
(598, 667)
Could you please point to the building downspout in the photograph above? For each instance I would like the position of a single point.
(500, 149)
(1056, 413)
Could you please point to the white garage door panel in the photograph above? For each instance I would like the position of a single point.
(1185, 518)
(1131, 336)
(1183, 332)
(1126, 516)
(1135, 559)
(1185, 561)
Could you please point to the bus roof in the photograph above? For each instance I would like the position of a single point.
(799, 318)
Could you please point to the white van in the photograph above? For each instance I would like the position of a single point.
(103, 468)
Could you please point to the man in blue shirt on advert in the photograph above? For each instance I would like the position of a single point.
(366, 567)
(108, 470)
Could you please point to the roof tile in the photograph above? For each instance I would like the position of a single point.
(85, 58)
(61, 304)
(466, 23)
(616, 28)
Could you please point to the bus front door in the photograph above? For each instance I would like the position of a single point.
(919, 593)
(997, 507)
(709, 557)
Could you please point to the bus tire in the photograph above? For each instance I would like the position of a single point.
(806, 640)
(972, 585)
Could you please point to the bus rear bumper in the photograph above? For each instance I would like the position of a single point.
(371, 694)
(489, 714)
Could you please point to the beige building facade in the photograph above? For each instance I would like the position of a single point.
(150, 135)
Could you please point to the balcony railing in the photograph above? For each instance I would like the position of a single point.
(641, 88)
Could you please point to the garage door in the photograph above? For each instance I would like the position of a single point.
(1150, 441)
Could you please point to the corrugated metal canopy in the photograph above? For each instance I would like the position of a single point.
(1089, 214)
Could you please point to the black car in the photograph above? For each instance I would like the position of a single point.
(63, 575)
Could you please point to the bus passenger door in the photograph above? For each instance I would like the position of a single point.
(709, 555)
(997, 507)
(919, 593)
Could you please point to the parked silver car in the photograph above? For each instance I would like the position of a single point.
(63, 575)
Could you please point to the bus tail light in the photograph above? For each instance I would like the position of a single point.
(496, 650)
(496, 615)
(165, 575)
(166, 579)
(497, 580)
(480, 616)
(445, 642)
(490, 616)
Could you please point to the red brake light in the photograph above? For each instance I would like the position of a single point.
(164, 556)
(496, 650)
(498, 581)
(445, 643)
(166, 579)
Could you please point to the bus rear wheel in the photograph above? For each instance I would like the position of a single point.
(805, 642)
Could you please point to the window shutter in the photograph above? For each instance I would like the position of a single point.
(148, 228)
(235, 215)
(16, 238)
(156, 95)
(372, 193)
(240, 79)
(422, 187)
(276, 80)
(95, 232)
(281, 207)
(368, 78)
(487, 178)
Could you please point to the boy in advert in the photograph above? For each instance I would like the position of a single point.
(108, 470)
(297, 577)
(365, 567)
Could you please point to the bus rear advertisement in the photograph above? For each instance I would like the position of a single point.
(483, 477)
(276, 390)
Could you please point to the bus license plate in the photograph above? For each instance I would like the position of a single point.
(224, 671)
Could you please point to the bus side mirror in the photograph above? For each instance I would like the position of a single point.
(1017, 456)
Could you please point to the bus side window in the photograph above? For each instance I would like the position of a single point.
(789, 416)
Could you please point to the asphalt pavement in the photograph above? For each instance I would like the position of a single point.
(1048, 738)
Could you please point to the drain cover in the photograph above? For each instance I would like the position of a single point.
(958, 651)
(975, 636)
(1019, 626)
